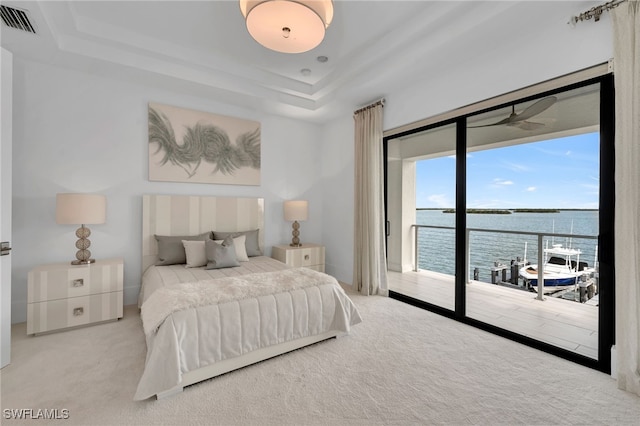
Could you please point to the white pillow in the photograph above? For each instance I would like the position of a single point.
(196, 255)
(241, 249)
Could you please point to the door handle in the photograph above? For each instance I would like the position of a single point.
(5, 248)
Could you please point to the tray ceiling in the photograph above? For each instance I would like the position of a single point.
(203, 47)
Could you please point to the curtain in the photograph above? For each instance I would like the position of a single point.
(370, 259)
(626, 31)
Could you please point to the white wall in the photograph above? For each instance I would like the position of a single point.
(337, 185)
(558, 49)
(77, 132)
(526, 59)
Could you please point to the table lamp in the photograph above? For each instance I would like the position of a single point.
(296, 210)
(81, 209)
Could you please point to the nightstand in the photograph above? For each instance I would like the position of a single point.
(62, 295)
(308, 255)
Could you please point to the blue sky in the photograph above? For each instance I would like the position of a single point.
(557, 173)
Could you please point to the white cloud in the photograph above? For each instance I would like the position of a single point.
(590, 186)
(531, 188)
(591, 189)
(440, 200)
(516, 167)
(499, 181)
(556, 153)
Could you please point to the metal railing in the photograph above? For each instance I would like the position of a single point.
(540, 250)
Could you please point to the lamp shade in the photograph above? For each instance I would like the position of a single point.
(296, 210)
(76, 209)
(287, 26)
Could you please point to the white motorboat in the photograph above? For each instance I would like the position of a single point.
(561, 270)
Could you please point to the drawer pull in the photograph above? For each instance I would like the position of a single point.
(78, 311)
(306, 257)
(78, 283)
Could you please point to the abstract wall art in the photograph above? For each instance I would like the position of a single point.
(200, 147)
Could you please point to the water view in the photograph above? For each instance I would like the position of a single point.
(436, 247)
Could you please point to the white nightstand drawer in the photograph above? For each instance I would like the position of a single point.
(61, 281)
(308, 255)
(74, 311)
(305, 256)
(62, 295)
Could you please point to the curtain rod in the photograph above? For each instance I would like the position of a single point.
(376, 103)
(595, 12)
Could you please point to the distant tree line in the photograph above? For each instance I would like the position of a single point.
(506, 211)
(499, 211)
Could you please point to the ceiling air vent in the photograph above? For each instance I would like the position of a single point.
(16, 18)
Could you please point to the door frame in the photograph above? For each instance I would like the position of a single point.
(6, 120)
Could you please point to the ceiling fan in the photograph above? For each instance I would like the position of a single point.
(520, 120)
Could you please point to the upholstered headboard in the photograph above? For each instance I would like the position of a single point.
(191, 215)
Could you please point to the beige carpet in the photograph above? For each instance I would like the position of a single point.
(402, 365)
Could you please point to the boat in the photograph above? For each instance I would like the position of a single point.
(562, 269)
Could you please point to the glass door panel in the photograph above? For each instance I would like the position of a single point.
(533, 216)
(421, 192)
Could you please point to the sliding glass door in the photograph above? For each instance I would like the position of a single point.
(503, 219)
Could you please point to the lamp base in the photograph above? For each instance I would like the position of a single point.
(83, 255)
(83, 262)
(295, 241)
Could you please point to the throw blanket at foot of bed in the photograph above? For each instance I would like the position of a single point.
(193, 325)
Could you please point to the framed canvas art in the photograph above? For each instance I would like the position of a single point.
(201, 147)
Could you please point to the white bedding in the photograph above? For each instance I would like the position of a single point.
(156, 277)
(239, 321)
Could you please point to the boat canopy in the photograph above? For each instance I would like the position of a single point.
(562, 251)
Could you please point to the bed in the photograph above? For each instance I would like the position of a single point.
(203, 321)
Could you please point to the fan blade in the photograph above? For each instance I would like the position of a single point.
(503, 121)
(507, 120)
(527, 125)
(529, 112)
(535, 109)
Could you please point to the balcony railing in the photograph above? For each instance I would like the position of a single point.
(536, 238)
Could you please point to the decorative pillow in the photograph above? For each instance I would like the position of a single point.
(252, 243)
(196, 256)
(221, 255)
(171, 250)
(241, 250)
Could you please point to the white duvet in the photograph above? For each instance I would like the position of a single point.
(193, 325)
(157, 277)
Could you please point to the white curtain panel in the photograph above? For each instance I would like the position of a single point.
(370, 260)
(626, 30)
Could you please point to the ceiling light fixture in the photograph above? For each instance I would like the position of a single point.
(285, 25)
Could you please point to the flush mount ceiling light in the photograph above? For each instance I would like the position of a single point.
(285, 25)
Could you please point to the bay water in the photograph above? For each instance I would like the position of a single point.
(436, 247)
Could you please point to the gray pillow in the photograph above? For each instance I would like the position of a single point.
(221, 255)
(171, 250)
(251, 243)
